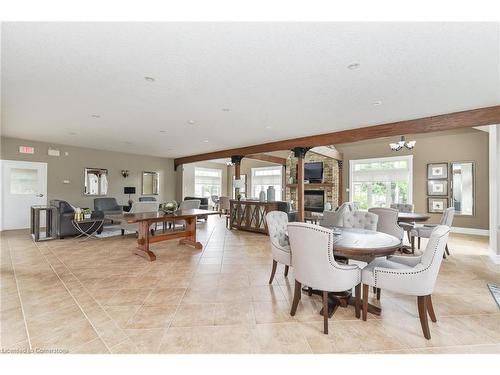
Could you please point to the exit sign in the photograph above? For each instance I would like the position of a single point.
(26, 150)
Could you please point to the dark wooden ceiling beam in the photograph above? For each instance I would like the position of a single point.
(268, 158)
(456, 120)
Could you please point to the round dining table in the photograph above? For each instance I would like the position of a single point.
(412, 217)
(362, 245)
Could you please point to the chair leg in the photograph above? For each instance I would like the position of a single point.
(296, 297)
(325, 312)
(422, 313)
(273, 271)
(123, 232)
(446, 250)
(374, 289)
(430, 309)
(412, 244)
(378, 294)
(357, 303)
(419, 243)
(408, 234)
(365, 302)
(286, 271)
(309, 291)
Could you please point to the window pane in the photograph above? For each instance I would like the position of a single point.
(23, 181)
(207, 182)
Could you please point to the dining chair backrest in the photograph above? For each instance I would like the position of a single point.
(215, 199)
(312, 257)
(276, 225)
(190, 204)
(139, 207)
(360, 219)
(388, 221)
(336, 218)
(403, 207)
(447, 218)
(224, 203)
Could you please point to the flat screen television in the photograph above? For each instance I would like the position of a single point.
(313, 172)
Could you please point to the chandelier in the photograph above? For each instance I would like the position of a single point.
(402, 143)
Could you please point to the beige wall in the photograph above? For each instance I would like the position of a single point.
(71, 167)
(456, 145)
(188, 176)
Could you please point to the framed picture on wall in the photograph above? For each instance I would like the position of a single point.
(437, 187)
(437, 205)
(436, 171)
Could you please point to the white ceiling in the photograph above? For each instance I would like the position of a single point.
(292, 77)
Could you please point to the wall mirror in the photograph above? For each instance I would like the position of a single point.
(96, 181)
(150, 183)
(462, 187)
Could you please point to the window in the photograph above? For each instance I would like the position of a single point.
(380, 182)
(207, 182)
(23, 181)
(264, 177)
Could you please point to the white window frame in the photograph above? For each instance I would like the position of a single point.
(408, 158)
(219, 172)
(280, 168)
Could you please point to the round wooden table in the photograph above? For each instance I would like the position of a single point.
(412, 217)
(363, 245)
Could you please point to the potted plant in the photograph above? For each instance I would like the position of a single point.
(169, 207)
(87, 213)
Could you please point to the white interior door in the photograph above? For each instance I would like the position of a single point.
(24, 184)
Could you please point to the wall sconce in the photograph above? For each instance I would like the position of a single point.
(125, 173)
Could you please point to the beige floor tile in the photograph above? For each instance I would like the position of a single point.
(239, 313)
(192, 315)
(126, 297)
(165, 296)
(148, 317)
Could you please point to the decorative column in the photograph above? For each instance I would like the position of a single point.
(236, 161)
(300, 153)
(494, 174)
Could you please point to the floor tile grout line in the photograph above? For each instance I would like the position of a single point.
(180, 301)
(72, 296)
(19, 295)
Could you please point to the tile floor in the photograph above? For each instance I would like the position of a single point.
(97, 297)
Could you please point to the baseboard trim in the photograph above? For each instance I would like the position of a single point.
(495, 258)
(473, 231)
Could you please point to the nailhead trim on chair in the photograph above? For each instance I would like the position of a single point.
(375, 270)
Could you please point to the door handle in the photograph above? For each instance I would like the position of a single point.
(39, 195)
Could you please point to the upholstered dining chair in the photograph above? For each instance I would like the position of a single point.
(190, 204)
(314, 265)
(224, 205)
(405, 207)
(413, 276)
(387, 223)
(280, 248)
(138, 207)
(215, 201)
(426, 230)
(335, 218)
(360, 219)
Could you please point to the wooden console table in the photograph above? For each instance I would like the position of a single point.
(250, 215)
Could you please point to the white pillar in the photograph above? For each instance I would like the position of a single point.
(494, 175)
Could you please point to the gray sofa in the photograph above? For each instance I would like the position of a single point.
(108, 206)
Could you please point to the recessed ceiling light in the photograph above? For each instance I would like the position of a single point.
(149, 79)
(377, 102)
(225, 109)
(205, 141)
(96, 116)
(353, 66)
(191, 122)
(269, 127)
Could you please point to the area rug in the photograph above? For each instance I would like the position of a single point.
(495, 292)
